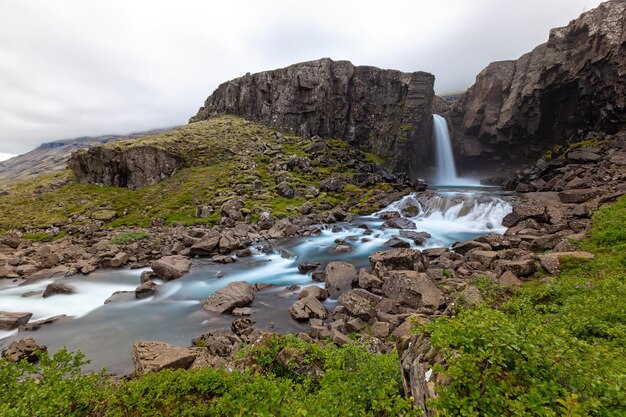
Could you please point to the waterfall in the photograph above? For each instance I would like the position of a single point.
(446, 171)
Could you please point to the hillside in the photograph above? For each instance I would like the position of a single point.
(52, 157)
(219, 159)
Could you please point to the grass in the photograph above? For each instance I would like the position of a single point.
(224, 157)
(124, 238)
(552, 349)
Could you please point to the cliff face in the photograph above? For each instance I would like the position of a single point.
(134, 167)
(383, 111)
(563, 89)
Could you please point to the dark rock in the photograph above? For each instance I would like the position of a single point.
(36, 325)
(235, 294)
(145, 290)
(398, 259)
(399, 223)
(308, 307)
(359, 303)
(172, 267)
(305, 268)
(330, 99)
(25, 348)
(285, 190)
(413, 289)
(314, 291)
(340, 277)
(151, 356)
(11, 321)
(57, 288)
(418, 237)
(395, 242)
(578, 196)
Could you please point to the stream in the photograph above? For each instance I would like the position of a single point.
(106, 332)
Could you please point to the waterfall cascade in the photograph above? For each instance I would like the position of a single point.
(446, 170)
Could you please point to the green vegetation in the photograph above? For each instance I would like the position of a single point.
(292, 378)
(225, 156)
(124, 238)
(558, 150)
(552, 349)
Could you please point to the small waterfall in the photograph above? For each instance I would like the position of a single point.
(446, 171)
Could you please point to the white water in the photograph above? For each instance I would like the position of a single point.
(445, 174)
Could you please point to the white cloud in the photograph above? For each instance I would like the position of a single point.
(78, 67)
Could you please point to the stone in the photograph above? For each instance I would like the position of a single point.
(232, 209)
(205, 246)
(285, 190)
(471, 296)
(57, 288)
(104, 215)
(509, 279)
(242, 311)
(521, 268)
(418, 237)
(120, 297)
(386, 215)
(13, 320)
(578, 196)
(219, 342)
(339, 338)
(395, 242)
(305, 268)
(236, 294)
(524, 211)
(399, 223)
(368, 281)
(412, 288)
(484, 257)
(145, 290)
(242, 326)
(329, 98)
(25, 348)
(36, 325)
(314, 291)
(398, 259)
(172, 267)
(340, 277)
(152, 356)
(380, 329)
(119, 260)
(359, 303)
(307, 308)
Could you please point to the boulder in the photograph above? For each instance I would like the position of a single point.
(25, 348)
(359, 303)
(205, 246)
(236, 294)
(285, 190)
(398, 259)
(172, 267)
(119, 260)
(145, 290)
(418, 237)
(395, 242)
(307, 308)
(57, 288)
(314, 291)
(521, 268)
(412, 288)
(13, 320)
(219, 342)
(471, 296)
(468, 245)
(152, 356)
(509, 279)
(232, 209)
(524, 211)
(399, 223)
(368, 280)
(340, 277)
(579, 196)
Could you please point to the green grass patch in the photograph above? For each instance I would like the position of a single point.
(124, 238)
(552, 349)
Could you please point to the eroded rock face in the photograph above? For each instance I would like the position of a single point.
(133, 167)
(553, 95)
(385, 111)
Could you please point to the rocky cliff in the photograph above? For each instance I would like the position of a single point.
(556, 94)
(386, 112)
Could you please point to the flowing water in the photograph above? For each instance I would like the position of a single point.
(105, 332)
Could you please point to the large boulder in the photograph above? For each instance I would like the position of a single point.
(413, 289)
(151, 356)
(360, 303)
(399, 223)
(236, 294)
(398, 259)
(308, 308)
(13, 320)
(57, 288)
(172, 267)
(205, 246)
(25, 348)
(340, 277)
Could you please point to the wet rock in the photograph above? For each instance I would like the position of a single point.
(314, 291)
(395, 242)
(36, 325)
(399, 223)
(340, 277)
(307, 308)
(283, 228)
(57, 288)
(236, 294)
(172, 267)
(145, 290)
(386, 215)
(242, 311)
(25, 348)
(120, 296)
(119, 260)
(418, 237)
(152, 356)
(305, 268)
(398, 259)
(13, 320)
(412, 288)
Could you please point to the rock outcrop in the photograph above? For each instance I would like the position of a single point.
(387, 112)
(554, 95)
(133, 167)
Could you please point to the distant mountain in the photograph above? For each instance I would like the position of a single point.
(52, 156)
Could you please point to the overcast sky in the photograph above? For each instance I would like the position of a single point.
(82, 67)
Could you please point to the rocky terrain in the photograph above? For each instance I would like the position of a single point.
(386, 112)
(52, 157)
(558, 93)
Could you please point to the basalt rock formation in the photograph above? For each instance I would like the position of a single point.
(386, 112)
(554, 95)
